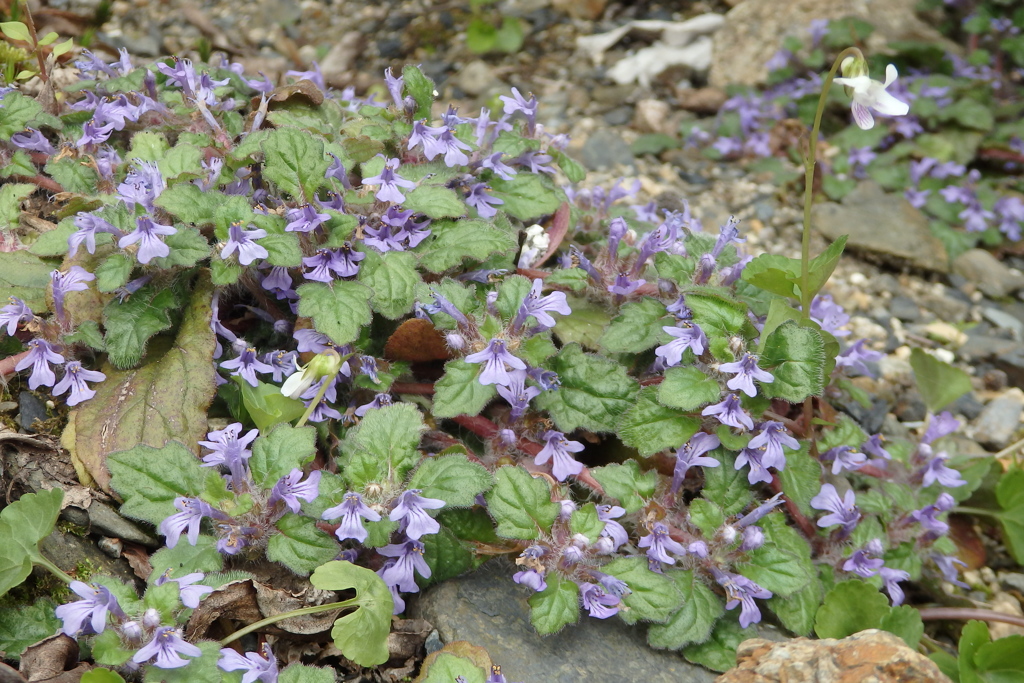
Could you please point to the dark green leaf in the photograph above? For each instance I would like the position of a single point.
(688, 388)
(795, 356)
(783, 564)
(626, 483)
(276, 454)
(393, 278)
(719, 653)
(636, 328)
(527, 196)
(459, 392)
(694, 621)
(338, 310)
(454, 241)
(149, 479)
(435, 201)
(130, 323)
(385, 442)
(1010, 496)
(446, 555)
(850, 607)
(595, 392)
(294, 159)
(585, 326)
(300, 545)
(717, 314)
(654, 596)
(796, 612)
(520, 504)
(650, 427)
(556, 606)
(801, 480)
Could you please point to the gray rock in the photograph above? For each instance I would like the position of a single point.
(103, 519)
(1000, 419)
(1012, 363)
(904, 309)
(619, 116)
(604, 150)
(71, 553)
(989, 274)
(950, 307)
(31, 409)
(1004, 320)
(477, 78)
(488, 609)
(967, 405)
(981, 344)
(884, 227)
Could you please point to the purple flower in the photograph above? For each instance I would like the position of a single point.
(597, 602)
(753, 457)
(167, 647)
(389, 182)
(229, 450)
(946, 564)
(859, 158)
(760, 511)
(518, 103)
(830, 315)
(13, 313)
(395, 88)
(537, 306)
(739, 590)
(411, 509)
(91, 611)
(148, 233)
(408, 559)
(844, 458)
(612, 530)
(559, 450)
(40, 354)
(34, 141)
(283, 363)
(689, 336)
(494, 163)
(142, 185)
(936, 471)
(531, 578)
(192, 511)
(280, 283)
(314, 75)
(88, 225)
(93, 134)
(940, 425)
(772, 438)
(517, 394)
(328, 263)
(397, 231)
(659, 544)
(189, 590)
(312, 341)
(495, 357)
(246, 365)
(75, 378)
(729, 412)
(844, 510)
(891, 583)
(452, 148)
(289, 490)
(242, 241)
(624, 285)
(257, 668)
(691, 454)
(746, 372)
(72, 281)
(351, 509)
(856, 356)
(304, 218)
(873, 446)
(865, 562)
(483, 202)
(1010, 210)
(379, 401)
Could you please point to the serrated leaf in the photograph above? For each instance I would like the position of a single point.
(187, 246)
(114, 272)
(17, 112)
(585, 522)
(654, 597)
(383, 444)
(694, 621)
(595, 392)
(300, 545)
(706, 516)
(520, 504)
(279, 452)
(905, 621)
(454, 241)
(55, 242)
(73, 175)
(726, 485)
(556, 606)
(850, 607)
(717, 314)
(783, 564)
(585, 326)
(11, 196)
(185, 558)
(453, 479)
(420, 88)
(189, 203)
(527, 196)
(300, 673)
(636, 328)
(459, 392)
(393, 278)
(339, 310)
(148, 145)
(688, 388)
(435, 201)
(651, 427)
(446, 555)
(719, 652)
(149, 479)
(107, 649)
(626, 483)
(361, 635)
(795, 356)
(130, 324)
(294, 160)
(796, 612)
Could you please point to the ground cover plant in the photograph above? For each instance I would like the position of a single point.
(375, 346)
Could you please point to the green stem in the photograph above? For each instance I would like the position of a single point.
(977, 511)
(809, 162)
(52, 568)
(315, 609)
(315, 402)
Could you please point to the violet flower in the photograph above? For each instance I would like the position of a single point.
(739, 590)
(394, 85)
(352, 511)
(289, 490)
(500, 169)
(856, 356)
(148, 234)
(327, 264)
(97, 601)
(753, 457)
(936, 471)
(190, 517)
(189, 590)
(939, 426)
(689, 336)
(559, 450)
(844, 458)
(517, 394)
(873, 446)
(243, 242)
(891, 583)
(612, 530)
(389, 182)
(246, 365)
(946, 564)
(143, 184)
(772, 438)
(691, 454)
(40, 354)
(495, 357)
(483, 202)
(88, 225)
(93, 134)
(75, 378)
(34, 141)
(597, 602)
(257, 668)
(866, 561)
(411, 511)
(830, 315)
(746, 371)
(659, 544)
(166, 649)
(72, 281)
(17, 311)
(408, 560)
(531, 578)
(730, 412)
(379, 401)
(518, 103)
(760, 511)
(537, 306)
(304, 218)
(843, 510)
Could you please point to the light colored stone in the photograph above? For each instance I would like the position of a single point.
(1000, 419)
(651, 116)
(869, 656)
(946, 333)
(986, 271)
(477, 77)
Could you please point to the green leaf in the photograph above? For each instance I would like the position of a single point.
(185, 558)
(88, 333)
(969, 114)
(393, 278)
(420, 88)
(706, 516)
(188, 247)
(574, 279)
(384, 442)
(585, 521)
(148, 146)
(300, 673)
(294, 160)
(435, 201)
(717, 314)
(107, 650)
(225, 272)
(999, 661)
(15, 563)
(276, 454)
(694, 621)
(188, 203)
(182, 159)
(149, 479)
(654, 597)
(796, 612)
(19, 164)
(361, 635)
(114, 272)
(595, 391)
(16, 31)
(650, 427)
(300, 545)
(101, 675)
(520, 504)
(11, 196)
(783, 564)
(201, 669)
(726, 485)
(585, 326)
(719, 653)
(573, 170)
(939, 382)
(556, 606)
(266, 405)
(458, 392)
(795, 356)
(73, 175)
(129, 324)
(452, 478)
(527, 196)
(636, 328)
(626, 484)
(18, 111)
(32, 516)
(801, 480)
(1010, 496)
(338, 310)
(688, 388)
(446, 555)
(454, 241)
(905, 621)
(850, 607)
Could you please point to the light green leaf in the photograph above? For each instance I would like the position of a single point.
(447, 667)
(850, 607)
(383, 444)
(188, 203)
(148, 145)
(300, 673)
(451, 478)
(361, 635)
(435, 201)
(26, 626)
(1010, 496)
(527, 196)
(18, 111)
(11, 196)
(654, 597)
(585, 326)
(636, 328)
(185, 558)
(114, 272)
(783, 564)
(801, 480)
(650, 427)
(694, 621)
(182, 159)
(796, 612)
(795, 356)
(101, 675)
(339, 310)
(719, 653)
(905, 621)
(15, 563)
(130, 324)
(688, 388)
(585, 521)
(32, 516)
(73, 175)
(706, 516)
(520, 504)
(459, 392)
(556, 606)
(939, 383)
(300, 545)
(266, 405)
(188, 247)
(626, 483)
(294, 159)
(726, 485)
(393, 278)
(420, 88)
(717, 314)
(276, 454)
(16, 31)
(149, 479)
(594, 394)
(454, 241)
(201, 669)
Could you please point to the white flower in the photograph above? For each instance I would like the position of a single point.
(869, 94)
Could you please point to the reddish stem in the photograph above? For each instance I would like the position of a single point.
(7, 364)
(422, 388)
(964, 613)
(806, 526)
(41, 181)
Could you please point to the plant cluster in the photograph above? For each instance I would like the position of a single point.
(412, 373)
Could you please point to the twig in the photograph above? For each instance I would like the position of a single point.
(791, 507)
(421, 388)
(41, 181)
(964, 613)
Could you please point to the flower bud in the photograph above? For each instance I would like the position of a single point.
(131, 631)
(455, 341)
(753, 538)
(852, 67)
(151, 618)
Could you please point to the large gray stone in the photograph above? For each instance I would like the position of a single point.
(987, 272)
(882, 227)
(605, 150)
(1000, 419)
(487, 609)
